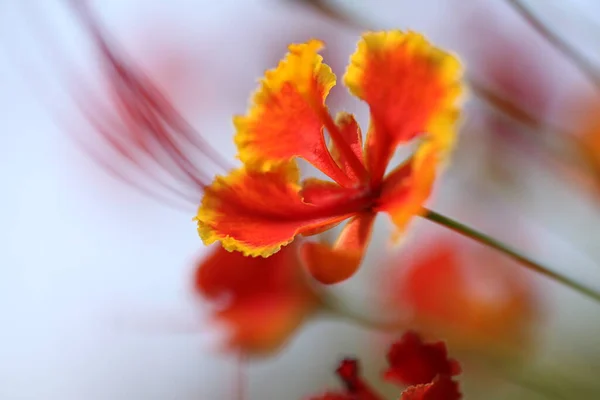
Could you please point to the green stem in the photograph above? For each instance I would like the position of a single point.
(526, 261)
(586, 67)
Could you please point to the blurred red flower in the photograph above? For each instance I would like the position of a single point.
(476, 298)
(262, 300)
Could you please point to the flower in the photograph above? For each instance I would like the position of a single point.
(411, 88)
(424, 366)
(476, 298)
(262, 301)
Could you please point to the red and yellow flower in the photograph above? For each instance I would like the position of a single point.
(412, 90)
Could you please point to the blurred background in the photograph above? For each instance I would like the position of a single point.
(97, 297)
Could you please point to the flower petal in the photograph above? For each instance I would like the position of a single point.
(408, 84)
(282, 122)
(413, 362)
(333, 264)
(257, 212)
(406, 189)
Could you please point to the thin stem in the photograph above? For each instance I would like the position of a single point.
(240, 379)
(586, 67)
(526, 261)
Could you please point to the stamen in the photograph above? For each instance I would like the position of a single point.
(146, 126)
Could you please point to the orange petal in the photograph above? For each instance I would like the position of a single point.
(282, 122)
(333, 264)
(257, 212)
(411, 87)
(406, 189)
(351, 133)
